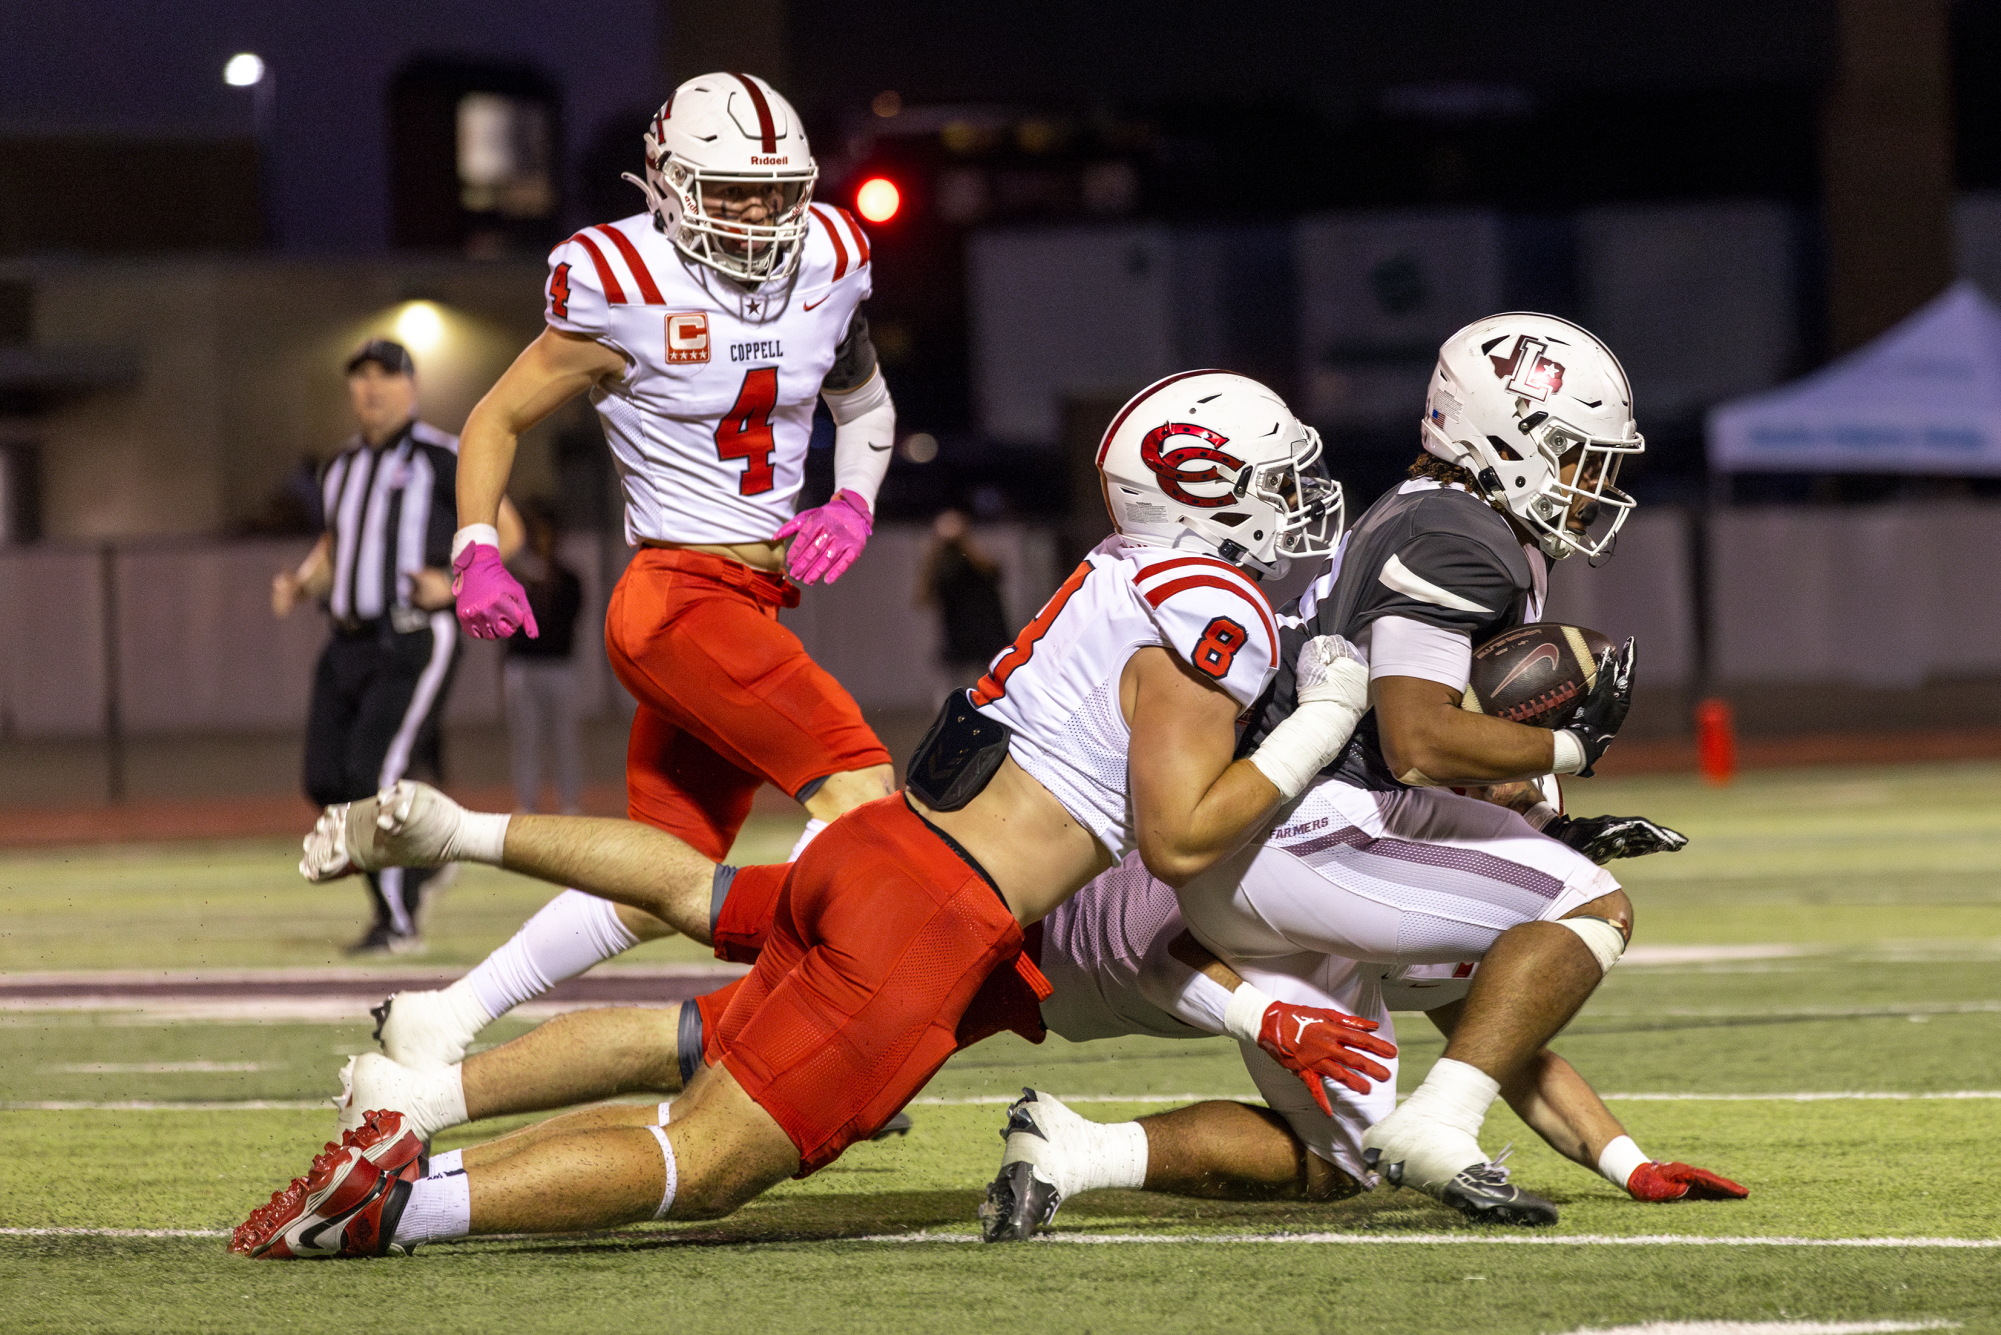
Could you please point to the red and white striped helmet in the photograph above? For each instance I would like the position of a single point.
(1214, 461)
(722, 129)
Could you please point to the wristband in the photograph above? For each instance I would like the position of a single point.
(473, 535)
(1618, 1160)
(1244, 1017)
(481, 837)
(1569, 753)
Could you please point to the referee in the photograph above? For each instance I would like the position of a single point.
(382, 567)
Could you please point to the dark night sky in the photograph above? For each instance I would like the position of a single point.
(95, 64)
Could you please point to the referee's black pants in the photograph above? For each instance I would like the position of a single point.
(377, 696)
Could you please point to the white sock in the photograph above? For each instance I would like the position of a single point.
(440, 1207)
(451, 1161)
(571, 933)
(813, 826)
(673, 1173)
(1456, 1094)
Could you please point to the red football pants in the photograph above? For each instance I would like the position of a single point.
(728, 698)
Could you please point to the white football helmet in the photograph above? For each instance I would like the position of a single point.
(1216, 462)
(1518, 398)
(729, 129)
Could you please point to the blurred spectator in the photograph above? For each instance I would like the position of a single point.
(963, 583)
(541, 676)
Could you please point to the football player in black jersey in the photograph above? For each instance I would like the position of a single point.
(1526, 423)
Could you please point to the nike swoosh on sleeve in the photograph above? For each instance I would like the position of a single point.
(1396, 575)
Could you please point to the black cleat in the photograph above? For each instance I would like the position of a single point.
(898, 1125)
(1482, 1193)
(1020, 1203)
(381, 1014)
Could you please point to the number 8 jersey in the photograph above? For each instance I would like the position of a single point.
(709, 424)
(1057, 686)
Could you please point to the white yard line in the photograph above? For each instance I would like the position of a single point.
(1457, 1239)
(1765, 1327)
(1257, 1239)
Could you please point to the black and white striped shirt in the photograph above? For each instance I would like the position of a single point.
(391, 511)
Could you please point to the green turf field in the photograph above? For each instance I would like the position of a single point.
(1864, 909)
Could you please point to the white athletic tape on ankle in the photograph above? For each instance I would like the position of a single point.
(673, 1173)
(1618, 1160)
(1244, 1017)
(1456, 1093)
(481, 837)
(1605, 942)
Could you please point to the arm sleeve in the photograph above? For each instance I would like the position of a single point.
(1450, 580)
(1219, 626)
(1401, 646)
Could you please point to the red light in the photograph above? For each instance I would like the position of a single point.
(878, 199)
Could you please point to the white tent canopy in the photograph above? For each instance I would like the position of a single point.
(1923, 398)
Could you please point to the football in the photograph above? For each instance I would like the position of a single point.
(1534, 674)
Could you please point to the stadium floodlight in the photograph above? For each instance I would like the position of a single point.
(244, 70)
(420, 326)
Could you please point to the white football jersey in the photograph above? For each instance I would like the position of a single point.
(710, 423)
(1057, 685)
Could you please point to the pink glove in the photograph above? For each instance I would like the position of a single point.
(1679, 1181)
(1314, 1043)
(829, 538)
(492, 603)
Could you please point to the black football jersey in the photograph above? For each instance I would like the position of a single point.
(1432, 553)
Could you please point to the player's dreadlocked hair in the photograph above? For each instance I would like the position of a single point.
(1438, 470)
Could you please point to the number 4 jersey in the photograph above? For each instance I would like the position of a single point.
(710, 422)
(1057, 685)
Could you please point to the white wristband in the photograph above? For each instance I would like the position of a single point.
(481, 837)
(1569, 753)
(1244, 1017)
(1618, 1160)
(480, 535)
(1304, 744)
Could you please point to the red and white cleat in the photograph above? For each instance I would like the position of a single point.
(348, 1204)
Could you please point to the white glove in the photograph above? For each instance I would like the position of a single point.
(405, 825)
(1333, 693)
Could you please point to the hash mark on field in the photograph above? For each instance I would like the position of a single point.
(114, 1232)
(1765, 1327)
(154, 1068)
(1458, 1239)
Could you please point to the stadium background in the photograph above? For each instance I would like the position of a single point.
(1734, 195)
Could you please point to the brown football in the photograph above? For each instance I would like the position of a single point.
(1534, 674)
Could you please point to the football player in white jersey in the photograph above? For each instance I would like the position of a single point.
(898, 937)
(703, 328)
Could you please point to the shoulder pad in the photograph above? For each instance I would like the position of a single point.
(1213, 617)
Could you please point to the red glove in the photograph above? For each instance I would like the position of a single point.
(1313, 1043)
(1680, 1182)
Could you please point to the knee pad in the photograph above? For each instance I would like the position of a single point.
(1604, 940)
